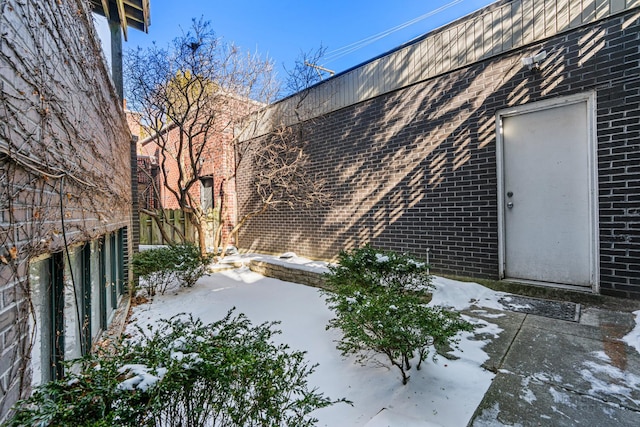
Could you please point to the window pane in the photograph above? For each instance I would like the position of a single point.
(95, 289)
(108, 279)
(41, 320)
(114, 271)
(122, 279)
(73, 305)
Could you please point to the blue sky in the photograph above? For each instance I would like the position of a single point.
(282, 29)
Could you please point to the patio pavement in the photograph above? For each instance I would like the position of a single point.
(553, 372)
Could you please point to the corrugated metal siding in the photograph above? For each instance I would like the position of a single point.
(491, 31)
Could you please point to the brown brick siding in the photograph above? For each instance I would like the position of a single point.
(415, 170)
(217, 162)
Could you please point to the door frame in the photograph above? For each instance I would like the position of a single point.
(594, 240)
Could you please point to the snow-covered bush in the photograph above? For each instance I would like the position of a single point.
(160, 267)
(183, 373)
(380, 302)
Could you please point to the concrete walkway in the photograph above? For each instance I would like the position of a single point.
(562, 373)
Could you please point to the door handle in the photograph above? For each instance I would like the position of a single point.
(510, 205)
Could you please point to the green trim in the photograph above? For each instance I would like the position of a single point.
(57, 314)
(103, 283)
(114, 270)
(85, 312)
(121, 253)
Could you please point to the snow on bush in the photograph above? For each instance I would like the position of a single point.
(160, 267)
(183, 373)
(379, 299)
(142, 379)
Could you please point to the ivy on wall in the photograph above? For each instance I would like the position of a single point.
(64, 157)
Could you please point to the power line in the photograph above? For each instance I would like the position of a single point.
(352, 47)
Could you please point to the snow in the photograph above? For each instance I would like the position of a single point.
(416, 263)
(489, 418)
(287, 259)
(382, 258)
(142, 379)
(191, 359)
(149, 247)
(462, 295)
(633, 337)
(179, 344)
(528, 396)
(288, 255)
(487, 315)
(443, 393)
(387, 418)
(514, 306)
(609, 381)
(561, 397)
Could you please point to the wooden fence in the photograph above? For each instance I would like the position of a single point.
(150, 232)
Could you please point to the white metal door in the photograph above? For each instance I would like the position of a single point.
(546, 189)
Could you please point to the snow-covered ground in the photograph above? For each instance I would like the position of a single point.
(444, 393)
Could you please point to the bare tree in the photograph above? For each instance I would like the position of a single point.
(279, 159)
(305, 73)
(191, 96)
(201, 92)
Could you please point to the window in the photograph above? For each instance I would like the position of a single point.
(106, 282)
(77, 303)
(40, 322)
(97, 303)
(74, 297)
(47, 321)
(111, 275)
(206, 193)
(113, 248)
(122, 273)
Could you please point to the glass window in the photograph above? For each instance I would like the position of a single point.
(41, 320)
(122, 247)
(96, 289)
(47, 320)
(77, 303)
(115, 276)
(108, 279)
(73, 300)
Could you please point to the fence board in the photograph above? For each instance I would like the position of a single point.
(150, 232)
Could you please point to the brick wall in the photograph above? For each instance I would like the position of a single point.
(217, 161)
(64, 155)
(415, 170)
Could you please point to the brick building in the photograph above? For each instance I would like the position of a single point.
(215, 189)
(503, 145)
(148, 182)
(147, 165)
(66, 188)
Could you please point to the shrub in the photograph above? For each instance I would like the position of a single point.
(379, 299)
(160, 267)
(189, 263)
(151, 267)
(186, 374)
